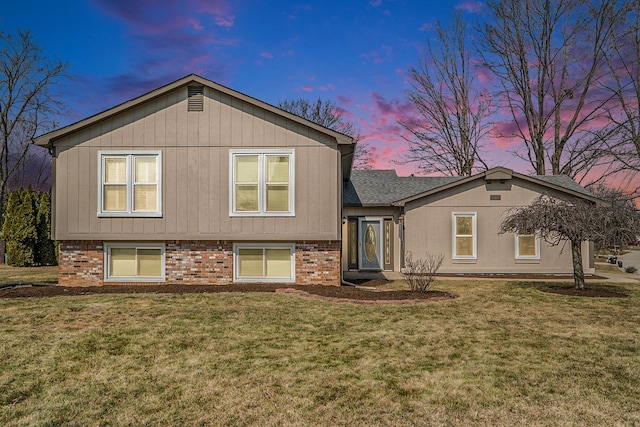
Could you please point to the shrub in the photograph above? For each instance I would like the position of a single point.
(45, 247)
(420, 273)
(631, 269)
(19, 228)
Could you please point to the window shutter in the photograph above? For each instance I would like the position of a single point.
(195, 96)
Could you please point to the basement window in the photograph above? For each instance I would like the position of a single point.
(129, 262)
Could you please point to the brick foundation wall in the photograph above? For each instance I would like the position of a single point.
(196, 262)
(318, 263)
(80, 263)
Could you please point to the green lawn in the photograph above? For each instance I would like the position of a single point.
(502, 354)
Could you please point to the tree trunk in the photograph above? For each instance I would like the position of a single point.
(578, 273)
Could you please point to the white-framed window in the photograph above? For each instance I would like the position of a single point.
(130, 183)
(262, 183)
(527, 246)
(465, 239)
(260, 262)
(134, 262)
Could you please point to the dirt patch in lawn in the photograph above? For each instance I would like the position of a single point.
(336, 293)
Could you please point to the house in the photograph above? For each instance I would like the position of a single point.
(196, 183)
(386, 216)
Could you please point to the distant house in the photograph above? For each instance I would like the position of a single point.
(385, 216)
(196, 183)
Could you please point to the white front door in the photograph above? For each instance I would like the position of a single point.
(370, 244)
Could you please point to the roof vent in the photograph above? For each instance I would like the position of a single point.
(195, 98)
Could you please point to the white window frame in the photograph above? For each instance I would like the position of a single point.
(517, 247)
(129, 161)
(474, 231)
(263, 246)
(262, 185)
(117, 245)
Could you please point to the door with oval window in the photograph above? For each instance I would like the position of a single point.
(370, 244)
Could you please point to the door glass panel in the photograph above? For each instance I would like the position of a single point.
(370, 249)
(353, 242)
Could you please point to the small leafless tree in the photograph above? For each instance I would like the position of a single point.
(27, 105)
(548, 56)
(573, 221)
(329, 115)
(452, 111)
(419, 273)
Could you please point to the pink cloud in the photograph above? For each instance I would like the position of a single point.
(266, 55)
(372, 56)
(344, 101)
(307, 88)
(225, 21)
(471, 6)
(327, 87)
(375, 3)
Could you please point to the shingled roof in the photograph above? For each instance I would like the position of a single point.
(386, 188)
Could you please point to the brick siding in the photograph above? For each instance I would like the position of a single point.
(81, 263)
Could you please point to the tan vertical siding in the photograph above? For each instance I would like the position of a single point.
(195, 173)
(430, 229)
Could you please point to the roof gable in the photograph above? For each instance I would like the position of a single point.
(385, 188)
(49, 139)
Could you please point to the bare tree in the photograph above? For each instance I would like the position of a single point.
(622, 136)
(329, 115)
(548, 56)
(576, 221)
(452, 112)
(27, 105)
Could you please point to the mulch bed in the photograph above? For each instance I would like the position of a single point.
(333, 293)
(588, 292)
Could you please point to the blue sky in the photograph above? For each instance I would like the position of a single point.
(354, 52)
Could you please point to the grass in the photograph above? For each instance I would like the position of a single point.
(10, 274)
(502, 354)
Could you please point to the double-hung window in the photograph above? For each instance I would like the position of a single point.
(130, 183)
(464, 235)
(264, 263)
(527, 246)
(134, 262)
(262, 183)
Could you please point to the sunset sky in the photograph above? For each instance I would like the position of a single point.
(354, 52)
